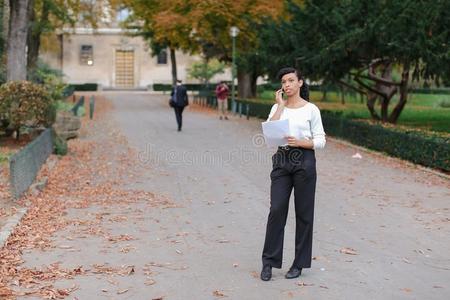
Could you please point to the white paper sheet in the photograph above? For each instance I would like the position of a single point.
(275, 132)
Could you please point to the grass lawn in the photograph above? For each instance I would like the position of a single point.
(421, 111)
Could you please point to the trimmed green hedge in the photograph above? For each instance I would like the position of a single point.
(257, 109)
(200, 87)
(427, 149)
(331, 88)
(85, 87)
(441, 91)
(163, 87)
(276, 86)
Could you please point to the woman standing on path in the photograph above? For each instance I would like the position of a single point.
(294, 166)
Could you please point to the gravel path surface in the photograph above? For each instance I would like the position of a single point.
(381, 227)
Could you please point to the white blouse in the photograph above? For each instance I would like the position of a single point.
(304, 122)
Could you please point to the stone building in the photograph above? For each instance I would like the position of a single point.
(114, 59)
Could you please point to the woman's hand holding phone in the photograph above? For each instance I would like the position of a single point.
(279, 97)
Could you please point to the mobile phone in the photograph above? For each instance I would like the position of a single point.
(282, 93)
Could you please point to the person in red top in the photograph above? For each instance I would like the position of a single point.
(222, 92)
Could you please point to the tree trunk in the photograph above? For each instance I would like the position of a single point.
(384, 109)
(244, 89)
(16, 67)
(205, 71)
(2, 17)
(246, 84)
(388, 91)
(403, 96)
(254, 87)
(384, 89)
(34, 35)
(33, 41)
(173, 61)
(371, 100)
(341, 88)
(324, 95)
(5, 24)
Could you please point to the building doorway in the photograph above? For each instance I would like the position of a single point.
(124, 68)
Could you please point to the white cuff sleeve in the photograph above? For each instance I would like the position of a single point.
(317, 131)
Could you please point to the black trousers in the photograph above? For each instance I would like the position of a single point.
(292, 168)
(179, 115)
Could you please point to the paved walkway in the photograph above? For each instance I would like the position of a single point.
(381, 228)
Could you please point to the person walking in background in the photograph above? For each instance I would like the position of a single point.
(294, 167)
(222, 92)
(179, 100)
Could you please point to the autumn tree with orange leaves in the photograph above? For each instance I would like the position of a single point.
(202, 26)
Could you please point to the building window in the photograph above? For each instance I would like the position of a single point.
(87, 55)
(162, 57)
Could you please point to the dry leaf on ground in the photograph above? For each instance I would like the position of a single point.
(349, 251)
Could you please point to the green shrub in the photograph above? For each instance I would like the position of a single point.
(23, 103)
(60, 145)
(81, 111)
(56, 106)
(205, 70)
(51, 78)
(42, 71)
(62, 106)
(55, 87)
(68, 91)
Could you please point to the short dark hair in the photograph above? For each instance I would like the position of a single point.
(179, 81)
(289, 70)
(304, 90)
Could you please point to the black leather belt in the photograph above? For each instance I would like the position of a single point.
(285, 148)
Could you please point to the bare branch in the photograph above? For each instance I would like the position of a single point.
(352, 87)
(367, 87)
(374, 77)
(380, 80)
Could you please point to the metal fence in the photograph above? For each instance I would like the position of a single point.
(208, 99)
(25, 164)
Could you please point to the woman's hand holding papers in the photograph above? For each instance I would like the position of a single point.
(303, 143)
